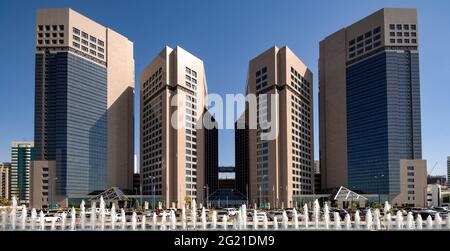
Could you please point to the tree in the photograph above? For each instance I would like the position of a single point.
(4, 202)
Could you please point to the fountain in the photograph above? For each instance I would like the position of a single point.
(244, 216)
(399, 220)
(316, 213)
(102, 213)
(133, 221)
(173, 220)
(326, 216)
(73, 218)
(53, 225)
(42, 220)
(63, 220)
(285, 220)
(93, 215)
(369, 219)
(33, 218)
(306, 216)
(113, 216)
(410, 221)
(275, 223)
(376, 219)
(388, 221)
(419, 223)
(429, 222)
(255, 220)
(143, 222)
(4, 219)
(213, 220)
(163, 221)
(82, 215)
(194, 213)
(357, 220)
(123, 219)
(347, 222)
(13, 214)
(265, 222)
(438, 220)
(154, 221)
(183, 217)
(225, 222)
(295, 218)
(337, 221)
(23, 218)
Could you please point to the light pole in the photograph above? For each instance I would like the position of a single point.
(153, 183)
(260, 196)
(247, 193)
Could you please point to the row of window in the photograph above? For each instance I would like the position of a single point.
(50, 27)
(402, 27)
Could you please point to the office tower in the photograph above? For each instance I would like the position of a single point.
(369, 102)
(5, 169)
(242, 157)
(83, 102)
(22, 153)
(211, 134)
(281, 169)
(173, 90)
(448, 171)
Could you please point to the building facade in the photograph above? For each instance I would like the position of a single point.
(22, 153)
(84, 78)
(5, 169)
(413, 183)
(211, 134)
(173, 90)
(43, 183)
(317, 177)
(241, 154)
(281, 168)
(369, 102)
(448, 171)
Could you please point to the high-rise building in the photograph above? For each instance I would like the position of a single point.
(281, 168)
(173, 90)
(448, 171)
(317, 177)
(369, 102)
(84, 79)
(5, 169)
(242, 157)
(22, 153)
(211, 134)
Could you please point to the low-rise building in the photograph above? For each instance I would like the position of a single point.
(413, 182)
(43, 184)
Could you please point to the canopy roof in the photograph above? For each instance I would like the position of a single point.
(112, 194)
(345, 194)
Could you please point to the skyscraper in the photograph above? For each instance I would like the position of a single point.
(448, 171)
(173, 90)
(5, 169)
(211, 154)
(369, 102)
(242, 157)
(281, 169)
(83, 102)
(22, 153)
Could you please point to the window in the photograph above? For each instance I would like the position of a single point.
(93, 45)
(406, 34)
(61, 41)
(41, 27)
(54, 27)
(352, 42)
(410, 167)
(76, 38)
(360, 38)
(54, 34)
(413, 34)
(406, 26)
(399, 26)
(399, 41)
(413, 27)
(376, 37)
(39, 41)
(368, 41)
(84, 35)
(101, 43)
(392, 41)
(93, 52)
(399, 34)
(194, 73)
(100, 55)
(392, 34)
(84, 42)
(84, 48)
(406, 41)
(93, 39)
(76, 31)
(61, 27)
(100, 49)
(47, 27)
(61, 34)
(188, 70)
(377, 30)
(414, 41)
(40, 35)
(76, 44)
(47, 34)
(368, 34)
(392, 26)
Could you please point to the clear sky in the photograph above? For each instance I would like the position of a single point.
(225, 35)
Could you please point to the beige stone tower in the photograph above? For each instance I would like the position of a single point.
(282, 169)
(173, 88)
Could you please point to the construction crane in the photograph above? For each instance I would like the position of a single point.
(432, 169)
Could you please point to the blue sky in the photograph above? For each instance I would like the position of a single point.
(225, 35)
